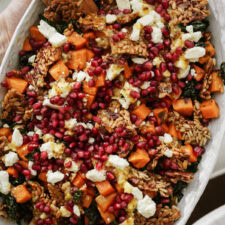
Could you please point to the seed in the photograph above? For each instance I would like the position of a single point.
(66, 47)
(189, 44)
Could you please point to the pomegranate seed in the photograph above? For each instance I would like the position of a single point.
(174, 77)
(91, 83)
(98, 70)
(32, 146)
(189, 44)
(166, 164)
(73, 221)
(175, 57)
(165, 4)
(181, 84)
(22, 53)
(134, 94)
(116, 26)
(116, 38)
(168, 56)
(11, 73)
(198, 86)
(163, 67)
(126, 11)
(48, 221)
(110, 176)
(25, 70)
(147, 66)
(66, 47)
(198, 151)
(155, 51)
(68, 164)
(59, 135)
(46, 209)
(165, 200)
(189, 77)
(121, 35)
(26, 172)
(179, 50)
(77, 86)
(44, 155)
(18, 167)
(165, 32)
(99, 165)
(148, 29)
(117, 206)
(174, 166)
(40, 222)
(167, 42)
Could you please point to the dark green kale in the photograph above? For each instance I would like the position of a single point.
(17, 181)
(193, 168)
(93, 214)
(178, 189)
(77, 196)
(222, 73)
(23, 60)
(198, 25)
(114, 223)
(201, 44)
(98, 3)
(189, 91)
(29, 156)
(61, 26)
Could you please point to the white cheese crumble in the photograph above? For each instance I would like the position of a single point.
(145, 85)
(184, 72)
(146, 207)
(156, 35)
(139, 60)
(136, 192)
(33, 172)
(71, 123)
(4, 183)
(123, 4)
(135, 35)
(64, 212)
(167, 138)
(76, 210)
(110, 18)
(168, 153)
(54, 177)
(114, 71)
(32, 59)
(194, 53)
(147, 20)
(118, 162)
(17, 138)
(74, 166)
(53, 149)
(191, 35)
(81, 76)
(10, 158)
(55, 38)
(96, 175)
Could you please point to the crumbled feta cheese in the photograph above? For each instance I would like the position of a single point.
(91, 140)
(32, 59)
(157, 61)
(11, 158)
(33, 172)
(156, 35)
(70, 124)
(146, 207)
(74, 166)
(145, 85)
(135, 35)
(38, 131)
(47, 103)
(31, 87)
(168, 153)
(54, 177)
(48, 137)
(55, 38)
(4, 183)
(39, 117)
(17, 138)
(159, 24)
(182, 63)
(123, 4)
(76, 210)
(190, 29)
(146, 20)
(194, 53)
(110, 18)
(114, 71)
(96, 175)
(124, 30)
(139, 7)
(136, 192)
(118, 162)
(53, 149)
(167, 138)
(64, 212)
(30, 133)
(196, 36)
(139, 60)
(184, 72)
(6, 125)
(81, 76)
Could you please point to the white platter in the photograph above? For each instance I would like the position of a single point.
(217, 127)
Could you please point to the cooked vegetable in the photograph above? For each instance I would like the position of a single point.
(13, 172)
(17, 83)
(78, 59)
(173, 132)
(183, 106)
(127, 71)
(142, 111)
(27, 46)
(209, 109)
(23, 152)
(139, 158)
(77, 40)
(90, 55)
(160, 114)
(105, 188)
(104, 202)
(86, 200)
(42, 176)
(4, 131)
(100, 82)
(89, 90)
(106, 216)
(189, 149)
(59, 70)
(78, 181)
(36, 34)
(90, 101)
(216, 83)
(21, 194)
(89, 35)
(200, 72)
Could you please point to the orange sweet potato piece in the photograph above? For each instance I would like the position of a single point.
(210, 50)
(78, 181)
(183, 106)
(160, 114)
(24, 164)
(4, 131)
(119, 188)
(86, 220)
(36, 34)
(139, 159)
(106, 216)
(17, 83)
(210, 109)
(77, 40)
(165, 128)
(173, 132)
(89, 90)
(142, 111)
(149, 129)
(175, 96)
(78, 59)
(90, 100)
(22, 152)
(217, 83)
(43, 176)
(200, 72)
(91, 191)
(189, 149)
(21, 194)
(105, 202)
(90, 55)
(168, 101)
(59, 70)
(89, 35)
(105, 188)
(26, 45)
(127, 71)
(86, 200)
(204, 59)
(100, 81)
(12, 172)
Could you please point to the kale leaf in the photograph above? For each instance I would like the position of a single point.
(98, 3)
(29, 156)
(17, 181)
(198, 25)
(93, 214)
(178, 189)
(193, 168)
(222, 74)
(189, 91)
(23, 60)
(77, 196)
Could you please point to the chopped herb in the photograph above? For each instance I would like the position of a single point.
(17, 181)
(178, 188)
(198, 25)
(93, 214)
(200, 44)
(193, 168)
(61, 26)
(29, 156)
(77, 196)
(189, 91)
(222, 74)
(23, 60)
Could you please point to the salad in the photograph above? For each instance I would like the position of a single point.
(106, 117)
